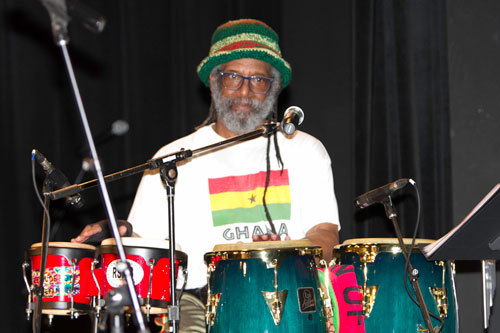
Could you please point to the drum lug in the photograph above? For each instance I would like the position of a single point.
(440, 294)
(366, 252)
(73, 314)
(212, 300)
(275, 300)
(369, 294)
(325, 293)
(30, 306)
(97, 301)
(148, 297)
(441, 300)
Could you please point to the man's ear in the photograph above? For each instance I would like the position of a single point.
(212, 81)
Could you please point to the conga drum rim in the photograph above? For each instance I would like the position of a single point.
(369, 247)
(153, 243)
(406, 241)
(66, 249)
(143, 246)
(263, 245)
(267, 251)
(65, 245)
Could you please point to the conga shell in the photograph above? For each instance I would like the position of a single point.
(59, 274)
(392, 310)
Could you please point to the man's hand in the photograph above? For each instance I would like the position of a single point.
(87, 232)
(96, 228)
(325, 235)
(268, 237)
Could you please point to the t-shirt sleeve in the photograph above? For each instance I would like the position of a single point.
(150, 207)
(319, 204)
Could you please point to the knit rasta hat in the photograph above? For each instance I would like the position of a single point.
(245, 38)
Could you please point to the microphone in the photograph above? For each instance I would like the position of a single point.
(380, 194)
(292, 118)
(67, 9)
(118, 128)
(57, 177)
(89, 17)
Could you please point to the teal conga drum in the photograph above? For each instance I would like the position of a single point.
(379, 266)
(264, 287)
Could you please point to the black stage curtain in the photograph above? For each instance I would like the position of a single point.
(401, 122)
(370, 76)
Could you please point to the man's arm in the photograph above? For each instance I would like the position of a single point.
(325, 235)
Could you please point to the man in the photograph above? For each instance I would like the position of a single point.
(242, 192)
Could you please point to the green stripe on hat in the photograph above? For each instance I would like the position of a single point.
(245, 38)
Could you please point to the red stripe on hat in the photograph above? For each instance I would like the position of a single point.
(245, 44)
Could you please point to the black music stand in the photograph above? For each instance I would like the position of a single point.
(477, 237)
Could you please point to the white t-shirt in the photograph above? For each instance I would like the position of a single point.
(218, 194)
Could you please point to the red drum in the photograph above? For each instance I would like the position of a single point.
(149, 259)
(68, 283)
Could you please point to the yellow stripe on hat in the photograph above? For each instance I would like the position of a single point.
(250, 199)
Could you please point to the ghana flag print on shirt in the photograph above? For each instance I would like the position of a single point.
(238, 199)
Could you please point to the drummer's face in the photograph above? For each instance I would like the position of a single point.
(241, 110)
(246, 67)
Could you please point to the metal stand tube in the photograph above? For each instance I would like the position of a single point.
(391, 214)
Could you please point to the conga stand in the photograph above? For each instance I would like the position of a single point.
(59, 23)
(390, 211)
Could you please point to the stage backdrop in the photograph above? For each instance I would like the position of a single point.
(371, 77)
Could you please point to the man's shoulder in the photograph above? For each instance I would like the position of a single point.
(302, 140)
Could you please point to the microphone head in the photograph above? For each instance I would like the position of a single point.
(296, 110)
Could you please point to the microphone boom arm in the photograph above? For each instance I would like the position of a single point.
(156, 163)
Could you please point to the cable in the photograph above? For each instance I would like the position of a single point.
(405, 272)
(36, 188)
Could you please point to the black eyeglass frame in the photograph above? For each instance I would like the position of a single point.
(249, 78)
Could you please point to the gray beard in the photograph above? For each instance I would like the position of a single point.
(240, 122)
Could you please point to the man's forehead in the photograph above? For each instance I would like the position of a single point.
(248, 66)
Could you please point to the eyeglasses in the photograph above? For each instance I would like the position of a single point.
(234, 81)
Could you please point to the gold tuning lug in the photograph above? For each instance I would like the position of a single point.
(439, 294)
(212, 302)
(275, 300)
(369, 294)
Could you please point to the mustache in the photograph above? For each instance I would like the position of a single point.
(243, 101)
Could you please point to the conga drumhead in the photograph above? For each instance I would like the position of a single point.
(67, 249)
(65, 245)
(406, 241)
(153, 243)
(269, 245)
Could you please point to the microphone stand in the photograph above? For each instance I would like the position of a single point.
(168, 171)
(59, 24)
(39, 290)
(390, 211)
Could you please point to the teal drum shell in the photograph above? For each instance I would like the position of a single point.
(239, 278)
(392, 309)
